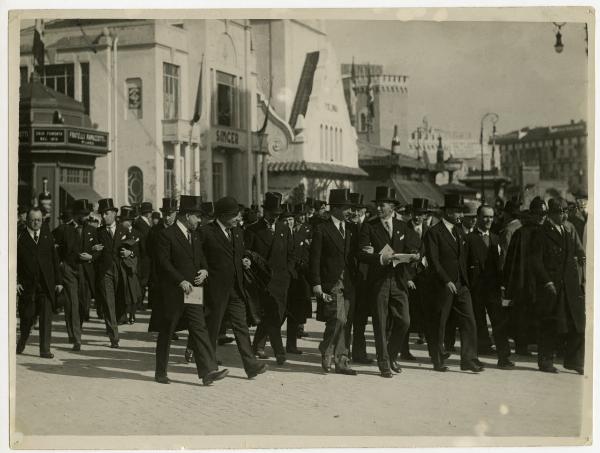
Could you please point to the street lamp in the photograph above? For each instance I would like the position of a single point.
(493, 117)
(558, 45)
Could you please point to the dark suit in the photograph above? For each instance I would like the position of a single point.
(180, 261)
(388, 285)
(333, 265)
(224, 292)
(554, 259)
(38, 273)
(143, 228)
(446, 257)
(276, 248)
(362, 308)
(154, 285)
(109, 276)
(79, 276)
(485, 278)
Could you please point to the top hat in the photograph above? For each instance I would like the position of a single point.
(538, 206)
(82, 207)
(227, 207)
(310, 202)
(339, 197)
(127, 213)
(287, 210)
(299, 209)
(357, 200)
(556, 205)
(384, 194)
(22, 209)
(454, 201)
(146, 207)
(272, 202)
(190, 204)
(67, 214)
(419, 206)
(169, 205)
(318, 204)
(106, 204)
(208, 208)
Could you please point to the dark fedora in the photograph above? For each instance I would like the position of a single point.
(339, 197)
(106, 204)
(454, 201)
(208, 208)
(538, 206)
(557, 205)
(272, 202)
(190, 204)
(82, 207)
(146, 208)
(299, 209)
(226, 207)
(357, 200)
(419, 206)
(384, 194)
(169, 205)
(127, 213)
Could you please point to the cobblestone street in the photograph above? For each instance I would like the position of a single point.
(101, 391)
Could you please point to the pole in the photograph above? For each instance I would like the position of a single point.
(482, 179)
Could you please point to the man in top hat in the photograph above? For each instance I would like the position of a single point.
(222, 244)
(39, 280)
(155, 219)
(512, 223)
(485, 278)
(110, 236)
(417, 284)
(183, 266)
(271, 240)
(155, 299)
(332, 272)
(77, 250)
(556, 252)
(449, 286)
(381, 238)
(143, 224)
(320, 213)
(130, 292)
(310, 207)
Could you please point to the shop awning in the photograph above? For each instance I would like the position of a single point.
(407, 190)
(316, 168)
(79, 191)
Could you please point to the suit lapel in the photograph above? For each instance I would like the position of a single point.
(554, 235)
(381, 231)
(183, 241)
(449, 237)
(221, 235)
(335, 235)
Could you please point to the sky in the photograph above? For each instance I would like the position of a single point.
(458, 71)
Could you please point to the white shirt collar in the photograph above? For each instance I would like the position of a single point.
(146, 220)
(112, 227)
(448, 225)
(223, 227)
(336, 222)
(558, 227)
(389, 221)
(31, 232)
(484, 233)
(183, 228)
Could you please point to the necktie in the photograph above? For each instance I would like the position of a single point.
(112, 231)
(486, 239)
(388, 228)
(419, 231)
(455, 234)
(342, 232)
(36, 236)
(228, 232)
(189, 235)
(79, 230)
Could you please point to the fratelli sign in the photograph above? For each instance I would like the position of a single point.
(63, 136)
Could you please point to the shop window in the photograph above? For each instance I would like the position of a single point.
(61, 78)
(74, 175)
(135, 185)
(134, 98)
(169, 179)
(170, 91)
(226, 99)
(85, 87)
(217, 177)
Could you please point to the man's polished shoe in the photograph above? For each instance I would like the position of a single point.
(548, 368)
(225, 340)
(345, 370)
(387, 373)
(408, 357)
(293, 351)
(579, 369)
(280, 359)
(46, 355)
(261, 354)
(479, 363)
(505, 364)
(326, 363)
(162, 379)
(189, 355)
(77, 347)
(440, 368)
(114, 344)
(260, 369)
(471, 366)
(20, 347)
(395, 366)
(363, 360)
(215, 375)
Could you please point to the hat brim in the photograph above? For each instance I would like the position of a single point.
(102, 211)
(82, 212)
(276, 211)
(229, 213)
(386, 200)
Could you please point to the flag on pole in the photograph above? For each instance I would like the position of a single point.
(198, 104)
(370, 93)
(266, 120)
(353, 90)
(38, 46)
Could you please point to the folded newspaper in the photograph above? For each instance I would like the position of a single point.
(397, 258)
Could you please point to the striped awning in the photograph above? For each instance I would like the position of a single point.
(316, 168)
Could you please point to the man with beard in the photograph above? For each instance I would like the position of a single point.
(271, 240)
(449, 286)
(560, 302)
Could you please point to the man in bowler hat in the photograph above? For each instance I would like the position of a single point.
(183, 267)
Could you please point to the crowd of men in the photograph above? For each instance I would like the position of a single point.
(207, 267)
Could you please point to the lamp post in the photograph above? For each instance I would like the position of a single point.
(493, 117)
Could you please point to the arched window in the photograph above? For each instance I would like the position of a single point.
(135, 185)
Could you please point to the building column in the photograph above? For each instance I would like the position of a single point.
(265, 176)
(257, 172)
(196, 158)
(187, 169)
(177, 168)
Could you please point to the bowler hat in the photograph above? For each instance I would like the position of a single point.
(146, 207)
(339, 197)
(82, 207)
(272, 202)
(470, 209)
(190, 204)
(226, 207)
(538, 206)
(208, 208)
(127, 213)
(556, 205)
(357, 199)
(420, 205)
(106, 204)
(454, 201)
(384, 194)
(169, 205)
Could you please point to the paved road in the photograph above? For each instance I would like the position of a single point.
(101, 391)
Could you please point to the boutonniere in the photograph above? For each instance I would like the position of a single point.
(91, 239)
(401, 237)
(301, 242)
(281, 234)
(123, 237)
(137, 239)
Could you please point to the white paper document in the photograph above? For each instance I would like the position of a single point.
(195, 297)
(397, 258)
